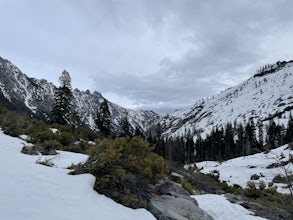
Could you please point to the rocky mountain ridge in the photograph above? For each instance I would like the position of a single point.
(36, 97)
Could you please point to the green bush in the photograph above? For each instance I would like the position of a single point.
(134, 155)
(51, 144)
(40, 136)
(262, 185)
(187, 186)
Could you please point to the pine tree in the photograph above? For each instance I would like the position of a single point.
(125, 128)
(138, 132)
(289, 131)
(103, 119)
(260, 134)
(274, 134)
(61, 111)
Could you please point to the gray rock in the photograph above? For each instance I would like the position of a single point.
(260, 210)
(176, 176)
(254, 177)
(235, 198)
(48, 151)
(167, 207)
(167, 187)
(174, 203)
(266, 212)
(220, 192)
(30, 150)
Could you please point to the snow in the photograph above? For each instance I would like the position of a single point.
(33, 191)
(55, 130)
(221, 209)
(239, 170)
(257, 97)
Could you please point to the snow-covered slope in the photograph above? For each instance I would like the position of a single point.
(36, 97)
(268, 94)
(32, 191)
(220, 208)
(262, 165)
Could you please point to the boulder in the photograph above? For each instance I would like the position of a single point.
(30, 150)
(48, 151)
(167, 207)
(167, 187)
(176, 176)
(174, 203)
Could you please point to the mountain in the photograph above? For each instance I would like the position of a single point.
(35, 97)
(265, 96)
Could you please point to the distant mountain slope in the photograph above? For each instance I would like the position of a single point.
(35, 97)
(264, 166)
(267, 95)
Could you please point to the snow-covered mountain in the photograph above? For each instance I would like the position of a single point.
(35, 97)
(267, 95)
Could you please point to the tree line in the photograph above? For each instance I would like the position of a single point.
(223, 143)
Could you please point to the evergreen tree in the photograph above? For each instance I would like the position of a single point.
(260, 134)
(159, 145)
(240, 143)
(250, 137)
(125, 128)
(229, 142)
(274, 134)
(289, 132)
(103, 119)
(189, 148)
(138, 132)
(61, 111)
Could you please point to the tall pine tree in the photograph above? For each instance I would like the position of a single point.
(125, 127)
(103, 119)
(61, 111)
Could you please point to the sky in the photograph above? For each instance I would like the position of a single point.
(159, 55)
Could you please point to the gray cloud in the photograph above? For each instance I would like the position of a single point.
(149, 54)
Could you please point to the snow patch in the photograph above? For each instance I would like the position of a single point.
(221, 209)
(239, 170)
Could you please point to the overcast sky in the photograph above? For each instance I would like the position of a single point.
(146, 54)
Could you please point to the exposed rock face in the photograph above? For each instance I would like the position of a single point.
(175, 204)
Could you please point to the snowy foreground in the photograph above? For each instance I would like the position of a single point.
(32, 191)
(239, 170)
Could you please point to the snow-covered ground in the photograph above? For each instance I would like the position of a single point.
(239, 170)
(33, 191)
(220, 208)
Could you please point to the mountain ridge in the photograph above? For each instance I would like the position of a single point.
(266, 95)
(35, 97)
